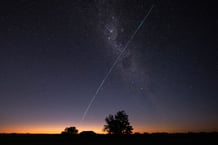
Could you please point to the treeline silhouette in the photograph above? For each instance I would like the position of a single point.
(115, 124)
(119, 131)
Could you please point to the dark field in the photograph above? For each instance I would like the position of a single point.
(145, 139)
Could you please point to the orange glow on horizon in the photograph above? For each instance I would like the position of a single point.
(58, 131)
(97, 128)
(49, 129)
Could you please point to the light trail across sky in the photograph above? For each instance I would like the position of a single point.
(115, 62)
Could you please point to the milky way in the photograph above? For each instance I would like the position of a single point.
(131, 67)
(111, 37)
(55, 54)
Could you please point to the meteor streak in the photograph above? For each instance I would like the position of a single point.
(115, 62)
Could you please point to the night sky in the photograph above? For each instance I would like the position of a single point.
(55, 53)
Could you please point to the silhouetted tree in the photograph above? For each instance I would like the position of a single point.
(118, 124)
(70, 130)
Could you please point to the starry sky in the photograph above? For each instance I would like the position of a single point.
(55, 53)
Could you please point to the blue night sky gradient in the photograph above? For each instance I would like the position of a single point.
(54, 55)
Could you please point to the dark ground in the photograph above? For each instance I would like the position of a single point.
(145, 139)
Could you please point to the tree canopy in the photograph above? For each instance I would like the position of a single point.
(118, 124)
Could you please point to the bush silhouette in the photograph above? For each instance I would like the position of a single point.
(70, 130)
(118, 124)
(87, 133)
